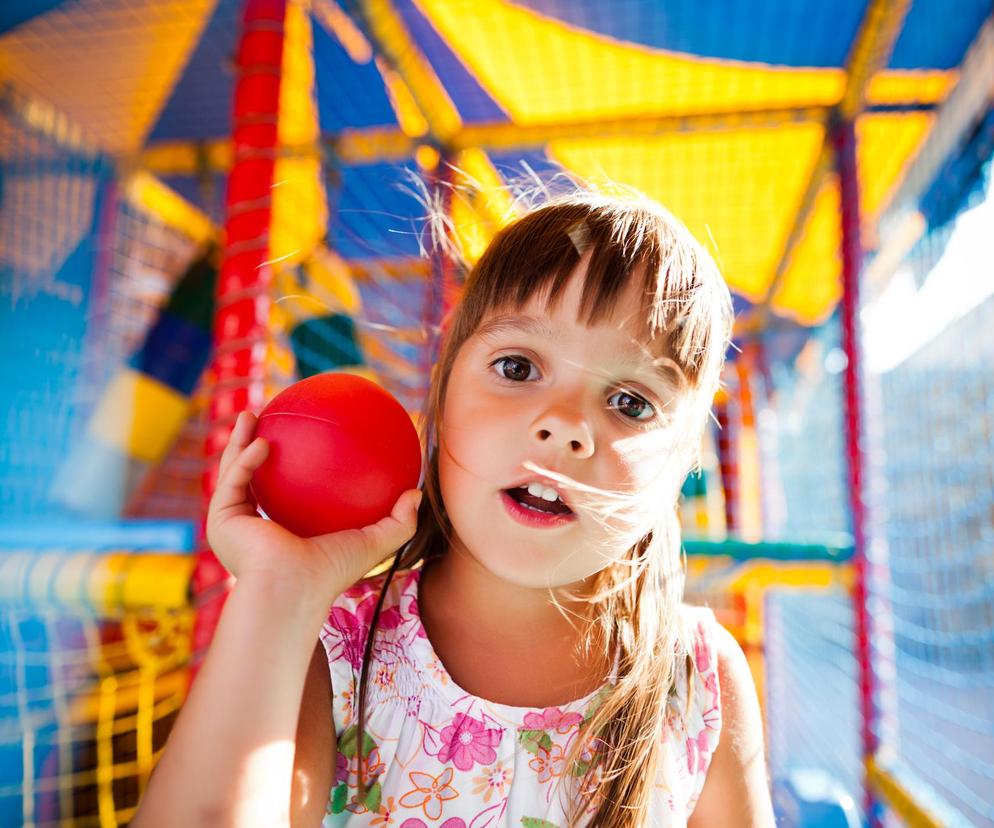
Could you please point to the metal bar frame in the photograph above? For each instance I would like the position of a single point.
(389, 144)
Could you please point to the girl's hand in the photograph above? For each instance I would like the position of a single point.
(249, 545)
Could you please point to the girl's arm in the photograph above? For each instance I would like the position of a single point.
(229, 760)
(230, 756)
(736, 790)
(316, 757)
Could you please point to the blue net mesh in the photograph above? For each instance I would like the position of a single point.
(933, 528)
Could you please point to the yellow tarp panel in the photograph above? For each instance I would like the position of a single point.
(811, 286)
(886, 143)
(541, 70)
(146, 192)
(709, 180)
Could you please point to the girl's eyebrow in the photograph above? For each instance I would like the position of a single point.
(510, 322)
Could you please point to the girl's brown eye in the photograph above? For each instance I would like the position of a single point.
(639, 405)
(519, 372)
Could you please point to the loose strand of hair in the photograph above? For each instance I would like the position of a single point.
(364, 673)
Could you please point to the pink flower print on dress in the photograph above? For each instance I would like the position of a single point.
(352, 629)
(361, 589)
(452, 822)
(702, 650)
(711, 685)
(671, 803)
(467, 741)
(412, 610)
(548, 763)
(698, 753)
(429, 792)
(494, 780)
(552, 718)
(712, 717)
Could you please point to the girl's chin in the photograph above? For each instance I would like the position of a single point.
(533, 571)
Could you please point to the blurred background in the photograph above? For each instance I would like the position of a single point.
(202, 201)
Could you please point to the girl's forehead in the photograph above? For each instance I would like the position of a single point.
(627, 314)
(627, 308)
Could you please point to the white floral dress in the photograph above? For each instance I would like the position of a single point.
(438, 756)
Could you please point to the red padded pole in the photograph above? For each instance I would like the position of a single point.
(844, 140)
(243, 295)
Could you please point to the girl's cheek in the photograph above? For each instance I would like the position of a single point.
(644, 466)
(636, 456)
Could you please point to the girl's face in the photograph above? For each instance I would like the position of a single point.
(585, 402)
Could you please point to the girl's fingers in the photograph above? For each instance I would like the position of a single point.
(237, 440)
(232, 485)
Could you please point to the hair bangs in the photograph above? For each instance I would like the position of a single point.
(686, 309)
(536, 256)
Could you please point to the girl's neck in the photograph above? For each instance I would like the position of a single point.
(462, 589)
(503, 642)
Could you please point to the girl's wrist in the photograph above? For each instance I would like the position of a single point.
(296, 598)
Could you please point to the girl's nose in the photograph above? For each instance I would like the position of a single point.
(565, 428)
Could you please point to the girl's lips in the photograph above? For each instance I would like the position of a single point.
(530, 517)
(551, 484)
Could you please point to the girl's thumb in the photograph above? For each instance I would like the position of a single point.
(397, 528)
(416, 503)
(355, 551)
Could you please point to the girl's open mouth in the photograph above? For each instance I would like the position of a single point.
(540, 504)
(545, 514)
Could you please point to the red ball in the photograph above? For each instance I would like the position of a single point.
(342, 449)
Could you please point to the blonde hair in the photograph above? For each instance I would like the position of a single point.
(636, 598)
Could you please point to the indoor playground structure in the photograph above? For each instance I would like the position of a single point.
(203, 201)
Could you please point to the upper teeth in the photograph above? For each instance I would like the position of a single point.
(538, 490)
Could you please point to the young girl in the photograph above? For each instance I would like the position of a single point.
(526, 659)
